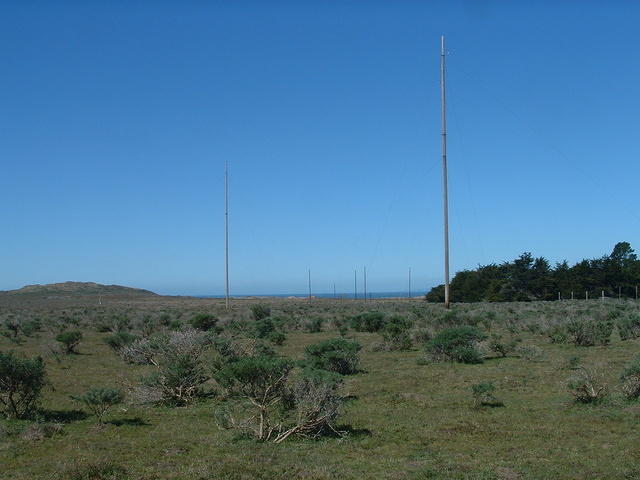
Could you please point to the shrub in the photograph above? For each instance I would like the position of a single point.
(483, 395)
(204, 322)
(117, 323)
(629, 326)
(312, 325)
(307, 406)
(587, 386)
(315, 404)
(500, 347)
(69, 340)
(277, 338)
(259, 349)
(587, 333)
(165, 319)
(284, 322)
(120, 339)
(147, 325)
(260, 311)
(631, 380)
(264, 327)
(420, 336)
(467, 354)
(337, 355)
(12, 328)
(174, 325)
(396, 333)
(261, 381)
(342, 325)
(175, 383)
(557, 334)
(103, 327)
(368, 322)
(227, 351)
(450, 318)
(533, 327)
(457, 344)
(100, 400)
(241, 325)
(178, 358)
(21, 381)
(531, 353)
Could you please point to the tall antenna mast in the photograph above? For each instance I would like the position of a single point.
(445, 178)
(226, 234)
(309, 284)
(409, 282)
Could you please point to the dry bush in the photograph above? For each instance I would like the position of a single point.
(178, 358)
(315, 404)
(274, 406)
(260, 382)
(155, 349)
(531, 353)
(588, 386)
(631, 380)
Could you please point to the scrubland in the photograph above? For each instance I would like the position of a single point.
(180, 388)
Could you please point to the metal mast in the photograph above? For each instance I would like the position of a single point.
(365, 284)
(309, 284)
(409, 282)
(355, 284)
(226, 234)
(445, 179)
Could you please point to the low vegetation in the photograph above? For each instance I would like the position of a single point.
(317, 389)
(21, 383)
(457, 344)
(100, 400)
(69, 341)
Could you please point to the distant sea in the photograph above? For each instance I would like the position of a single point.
(322, 295)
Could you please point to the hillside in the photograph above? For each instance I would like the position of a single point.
(77, 289)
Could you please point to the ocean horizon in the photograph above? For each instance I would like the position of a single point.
(337, 295)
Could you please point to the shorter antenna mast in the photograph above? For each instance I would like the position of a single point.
(355, 284)
(365, 284)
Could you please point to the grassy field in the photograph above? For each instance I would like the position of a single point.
(405, 418)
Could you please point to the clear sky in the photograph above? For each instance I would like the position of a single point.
(116, 119)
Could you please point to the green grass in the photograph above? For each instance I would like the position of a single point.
(405, 421)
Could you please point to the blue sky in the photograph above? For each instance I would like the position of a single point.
(117, 118)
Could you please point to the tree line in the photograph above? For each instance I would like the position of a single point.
(530, 278)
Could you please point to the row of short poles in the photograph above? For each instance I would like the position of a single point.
(603, 296)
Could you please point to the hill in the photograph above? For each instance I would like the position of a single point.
(78, 289)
